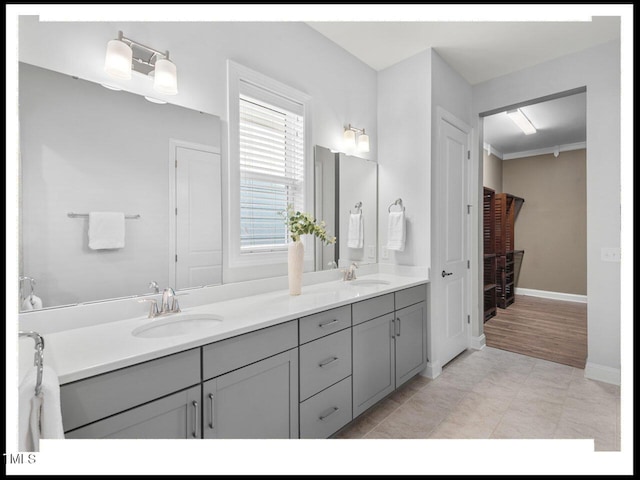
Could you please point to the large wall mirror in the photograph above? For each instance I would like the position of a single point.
(85, 149)
(347, 200)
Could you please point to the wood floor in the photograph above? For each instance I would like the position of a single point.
(538, 327)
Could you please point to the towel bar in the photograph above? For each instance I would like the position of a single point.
(38, 360)
(76, 215)
(358, 207)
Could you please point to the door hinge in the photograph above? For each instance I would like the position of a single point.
(468, 154)
(468, 209)
(176, 257)
(176, 210)
(176, 163)
(468, 263)
(468, 318)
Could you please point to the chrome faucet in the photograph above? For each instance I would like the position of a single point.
(169, 293)
(350, 273)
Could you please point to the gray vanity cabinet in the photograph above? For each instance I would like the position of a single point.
(175, 416)
(389, 349)
(257, 401)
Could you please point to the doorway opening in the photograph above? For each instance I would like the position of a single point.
(534, 291)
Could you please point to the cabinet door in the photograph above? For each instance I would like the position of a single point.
(172, 417)
(373, 362)
(411, 342)
(256, 401)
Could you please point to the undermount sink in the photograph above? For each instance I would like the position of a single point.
(179, 324)
(367, 281)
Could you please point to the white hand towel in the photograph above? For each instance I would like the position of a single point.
(39, 416)
(396, 232)
(26, 304)
(355, 235)
(36, 301)
(106, 230)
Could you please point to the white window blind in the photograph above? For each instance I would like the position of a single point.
(272, 167)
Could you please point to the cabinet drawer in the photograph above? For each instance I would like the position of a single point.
(91, 399)
(327, 412)
(323, 362)
(236, 352)
(411, 296)
(324, 323)
(372, 308)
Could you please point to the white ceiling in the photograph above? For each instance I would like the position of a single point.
(478, 50)
(558, 122)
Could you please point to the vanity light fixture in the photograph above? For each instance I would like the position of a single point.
(125, 55)
(349, 137)
(521, 121)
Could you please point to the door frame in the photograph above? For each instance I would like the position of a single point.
(434, 366)
(174, 144)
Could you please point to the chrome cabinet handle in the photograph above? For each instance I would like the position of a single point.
(398, 334)
(446, 274)
(323, 417)
(211, 407)
(327, 324)
(327, 362)
(195, 419)
(392, 327)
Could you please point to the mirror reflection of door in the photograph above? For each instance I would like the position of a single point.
(198, 239)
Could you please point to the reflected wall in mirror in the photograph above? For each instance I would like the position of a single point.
(84, 149)
(347, 200)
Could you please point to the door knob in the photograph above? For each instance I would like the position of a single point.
(444, 274)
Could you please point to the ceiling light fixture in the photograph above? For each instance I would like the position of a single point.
(349, 137)
(125, 55)
(521, 121)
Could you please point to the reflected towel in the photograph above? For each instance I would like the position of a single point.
(39, 416)
(106, 230)
(36, 301)
(26, 304)
(396, 232)
(355, 235)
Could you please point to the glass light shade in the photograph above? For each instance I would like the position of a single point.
(154, 100)
(349, 137)
(165, 79)
(363, 142)
(118, 60)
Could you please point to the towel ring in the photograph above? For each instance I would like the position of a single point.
(398, 203)
(358, 207)
(38, 359)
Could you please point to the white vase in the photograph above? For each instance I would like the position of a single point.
(296, 264)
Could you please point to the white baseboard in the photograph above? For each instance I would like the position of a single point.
(433, 370)
(566, 297)
(602, 373)
(478, 343)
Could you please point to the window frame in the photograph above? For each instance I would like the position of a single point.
(238, 76)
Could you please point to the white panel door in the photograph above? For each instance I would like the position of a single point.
(452, 251)
(198, 218)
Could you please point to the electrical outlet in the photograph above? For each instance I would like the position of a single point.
(385, 252)
(610, 254)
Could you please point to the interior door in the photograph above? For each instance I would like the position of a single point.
(451, 272)
(198, 213)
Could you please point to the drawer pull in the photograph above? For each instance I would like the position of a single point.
(323, 417)
(328, 324)
(195, 419)
(211, 407)
(327, 362)
(398, 334)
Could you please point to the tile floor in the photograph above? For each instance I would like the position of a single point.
(493, 393)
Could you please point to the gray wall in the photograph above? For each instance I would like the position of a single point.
(552, 225)
(85, 148)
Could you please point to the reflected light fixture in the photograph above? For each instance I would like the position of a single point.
(125, 55)
(521, 121)
(349, 137)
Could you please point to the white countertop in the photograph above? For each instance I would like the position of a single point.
(83, 352)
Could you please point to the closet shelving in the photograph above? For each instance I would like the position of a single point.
(507, 207)
(488, 234)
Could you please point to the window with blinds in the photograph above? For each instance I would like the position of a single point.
(272, 166)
